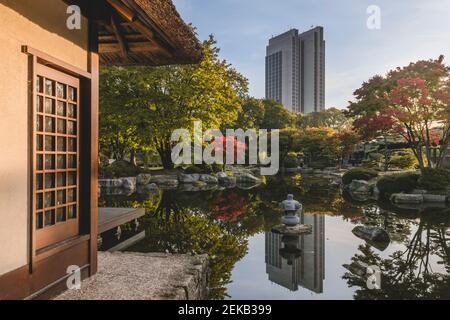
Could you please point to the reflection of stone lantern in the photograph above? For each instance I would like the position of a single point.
(290, 251)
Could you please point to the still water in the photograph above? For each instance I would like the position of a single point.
(248, 261)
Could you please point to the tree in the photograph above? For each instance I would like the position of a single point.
(289, 142)
(416, 97)
(276, 116)
(349, 140)
(420, 107)
(162, 99)
(118, 117)
(320, 145)
(379, 124)
(370, 97)
(251, 115)
(332, 118)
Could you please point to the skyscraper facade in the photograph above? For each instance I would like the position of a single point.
(295, 70)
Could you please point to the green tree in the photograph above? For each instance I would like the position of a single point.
(332, 118)
(321, 146)
(276, 116)
(252, 114)
(155, 101)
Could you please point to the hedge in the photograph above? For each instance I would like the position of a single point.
(397, 183)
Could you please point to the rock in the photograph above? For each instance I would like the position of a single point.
(164, 179)
(198, 187)
(376, 193)
(419, 191)
(307, 170)
(118, 191)
(407, 198)
(247, 178)
(129, 183)
(226, 180)
(292, 231)
(110, 183)
(189, 178)
(143, 179)
(376, 237)
(434, 198)
(359, 186)
(151, 187)
(209, 179)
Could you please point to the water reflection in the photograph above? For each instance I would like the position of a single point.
(293, 261)
(233, 227)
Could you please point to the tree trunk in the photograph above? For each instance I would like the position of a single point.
(386, 155)
(133, 157)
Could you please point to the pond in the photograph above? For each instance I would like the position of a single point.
(248, 261)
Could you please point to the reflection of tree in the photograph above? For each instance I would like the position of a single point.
(195, 233)
(407, 274)
(399, 229)
(229, 207)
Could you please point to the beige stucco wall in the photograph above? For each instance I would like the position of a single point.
(40, 24)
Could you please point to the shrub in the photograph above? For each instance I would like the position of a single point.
(435, 179)
(403, 160)
(396, 183)
(291, 162)
(359, 174)
(193, 169)
(203, 169)
(120, 169)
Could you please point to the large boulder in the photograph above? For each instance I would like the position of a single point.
(226, 180)
(189, 178)
(143, 179)
(376, 237)
(247, 178)
(403, 198)
(110, 183)
(165, 181)
(129, 183)
(434, 198)
(209, 179)
(359, 186)
(197, 187)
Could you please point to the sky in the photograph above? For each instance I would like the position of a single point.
(410, 30)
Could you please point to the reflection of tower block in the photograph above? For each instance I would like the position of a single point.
(290, 250)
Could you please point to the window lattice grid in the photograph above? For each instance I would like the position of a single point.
(56, 152)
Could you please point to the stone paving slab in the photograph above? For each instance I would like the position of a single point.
(144, 276)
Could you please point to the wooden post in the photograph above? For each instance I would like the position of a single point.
(94, 127)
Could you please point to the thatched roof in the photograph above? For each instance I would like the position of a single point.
(145, 32)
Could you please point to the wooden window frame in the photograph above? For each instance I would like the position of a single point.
(87, 184)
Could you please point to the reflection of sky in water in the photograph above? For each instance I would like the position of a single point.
(250, 279)
(175, 219)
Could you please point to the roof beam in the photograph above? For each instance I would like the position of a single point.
(124, 11)
(120, 38)
(132, 46)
